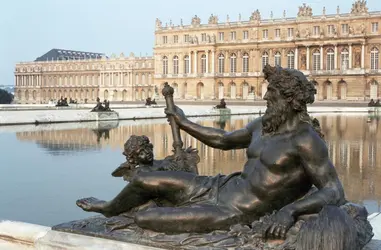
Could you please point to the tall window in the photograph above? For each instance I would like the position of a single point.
(245, 63)
(165, 65)
(374, 58)
(374, 27)
(175, 39)
(290, 32)
(233, 63)
(203, 37)
(344, 59)
(265, 59)
(291, 60)
(277, 58)
(344, 28)
(186, 38)
(175, 65)
(220, 36)
(186, 64)
(203, 63)
(245, 34)
(330, 29)
(316, 30)
(221, 63)
(330, 59)
(165, 40)
(265, 34)
(233, 35)
(277, 33)
(316, 59)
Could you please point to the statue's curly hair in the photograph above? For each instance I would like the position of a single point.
(294, 85)
(134, 144)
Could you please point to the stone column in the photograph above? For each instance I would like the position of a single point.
(321, 57)
(16, 81)
(195, 62)
(308, 58)
(335, 58)
(350, 57)
(112, 78)
(296, 59)
(190, 63)
(207, 62)
(363, 56)
(213, 66)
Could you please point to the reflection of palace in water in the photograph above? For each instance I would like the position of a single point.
(351, 140)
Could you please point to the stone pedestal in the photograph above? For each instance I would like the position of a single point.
(250, 97)
(104, 116)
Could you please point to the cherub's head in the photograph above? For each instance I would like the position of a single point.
(138, 150)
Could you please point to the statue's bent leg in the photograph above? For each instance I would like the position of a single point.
(145, 186)
(186, 219)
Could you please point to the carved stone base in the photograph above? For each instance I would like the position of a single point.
(104, 115)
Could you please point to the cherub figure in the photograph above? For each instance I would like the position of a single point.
(140, 158)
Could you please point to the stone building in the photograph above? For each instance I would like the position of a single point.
(224, 59)
(83, 76)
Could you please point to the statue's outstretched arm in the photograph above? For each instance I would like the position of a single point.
(317, 165)
(213, 137)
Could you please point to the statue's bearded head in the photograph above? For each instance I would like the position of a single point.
(138, 150)
(288, 94)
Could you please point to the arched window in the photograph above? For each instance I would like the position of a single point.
(344, 59)
(245, 63)
(330, 59)
(203, 63)
(165, 65)
(175, 65)
(265, 59)
(316, 59)
(221, 63)
(374, 58)
(233, 63)
(186, 64)
(291, 60)
(278, 59)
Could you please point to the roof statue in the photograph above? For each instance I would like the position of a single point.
(255, 16)
(305, 11)
(359, 7)
(158, 23)
(213, 19)
(196, 20)
(324, 11)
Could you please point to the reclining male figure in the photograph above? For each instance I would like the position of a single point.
(286, 156)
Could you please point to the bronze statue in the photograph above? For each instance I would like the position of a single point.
(222, 104)
(288, 177)
(100, 108)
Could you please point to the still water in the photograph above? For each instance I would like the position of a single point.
(45, 169)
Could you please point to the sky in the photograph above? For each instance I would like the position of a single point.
(30, 28)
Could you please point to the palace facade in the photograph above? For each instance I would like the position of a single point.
(338, 52)
(83, 76)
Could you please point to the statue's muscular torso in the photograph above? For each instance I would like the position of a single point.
(273, 175)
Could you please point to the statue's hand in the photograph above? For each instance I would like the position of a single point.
(282, 222)
(178, 114)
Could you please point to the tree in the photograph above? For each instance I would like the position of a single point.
(5, 97)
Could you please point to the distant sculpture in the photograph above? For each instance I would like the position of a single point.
(222, 104)
(305, 11)
(213, 19)
(62, 102)
(158, 23)
(288, 188)
(100, 108)
(150, 102)
(196, 20)
(297, 33)
(359, 7)
(371, 103)
(351, 31)
(284, 13)
(255, 16)
(304, 61)
(357, 59)
(140, 158)
(363, 29)
(338, 10)
(324, 11)
(308, 33)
